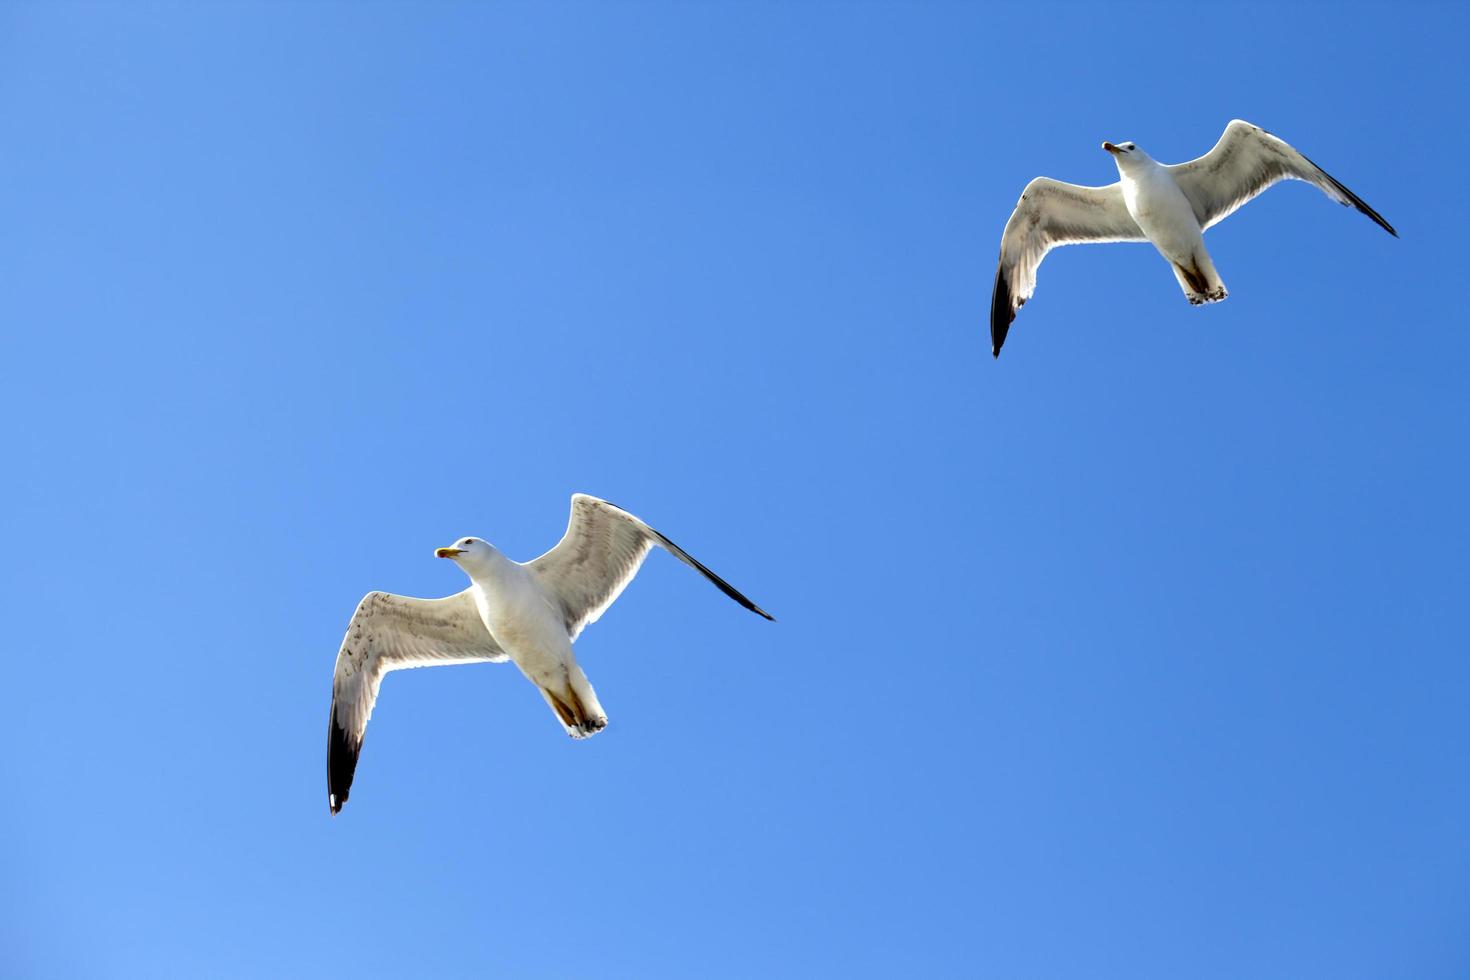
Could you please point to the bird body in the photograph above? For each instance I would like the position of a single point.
(1168, 205)
(1165, 215)
(513, 607)
(525, 621)
(529, 613)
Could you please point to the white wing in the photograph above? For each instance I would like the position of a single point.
(394, 632)
(1245, 162)
(598, 556)
(1051, 213)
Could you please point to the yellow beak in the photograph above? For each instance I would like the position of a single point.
(447, 552)
(1111, 148)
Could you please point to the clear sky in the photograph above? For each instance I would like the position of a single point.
(1138, 653)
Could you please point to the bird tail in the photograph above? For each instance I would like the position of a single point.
(580, 714)
(1199, 280)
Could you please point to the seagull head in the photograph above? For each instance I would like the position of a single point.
(468, 552)
(1126, 153)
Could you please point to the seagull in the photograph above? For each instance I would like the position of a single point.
(528, 613)
(1170, 205)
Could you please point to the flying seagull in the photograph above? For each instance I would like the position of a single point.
(528, 613)
(1170, 205)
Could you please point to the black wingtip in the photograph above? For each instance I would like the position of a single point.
(1355, 200)
(342, 753)
(1002, 313)
(1363, 207)
(720, 583)
(735, 594)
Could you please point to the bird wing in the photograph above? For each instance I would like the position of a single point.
(598, 556)
(1051, 213)
(1245, 162)
(394, 632)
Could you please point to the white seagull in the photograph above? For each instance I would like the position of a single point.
(1169, 205)
(528, 613)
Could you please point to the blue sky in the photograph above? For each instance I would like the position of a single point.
(1136, 653)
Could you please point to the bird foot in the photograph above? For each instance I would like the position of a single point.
(588, 728)
(1213, 296)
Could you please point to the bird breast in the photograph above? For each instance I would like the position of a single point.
(1163, 212)
(516, 613)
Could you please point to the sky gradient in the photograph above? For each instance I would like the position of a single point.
(1139, 652)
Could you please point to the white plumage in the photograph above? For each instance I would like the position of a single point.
(528, 613)
(1168, 205)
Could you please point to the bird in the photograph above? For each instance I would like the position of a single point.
(528, 613)
(1170, 205)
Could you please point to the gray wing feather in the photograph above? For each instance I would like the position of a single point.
(387, 633)
(1245, 162)
(1051, 213)
(601, 552)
